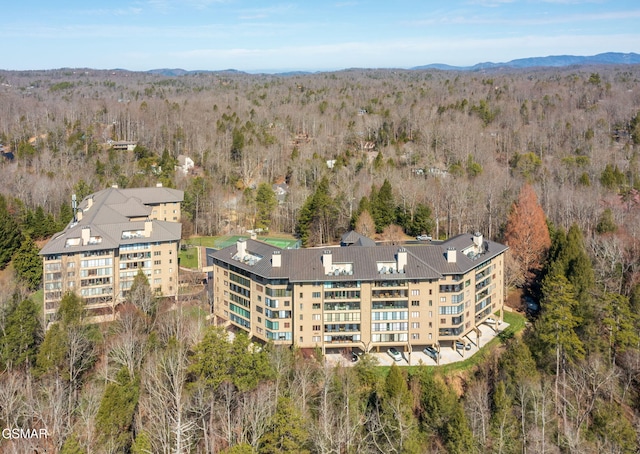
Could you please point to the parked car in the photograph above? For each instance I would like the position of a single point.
(461, 345)
(431, 352)
(423, 238)
(354, 357)
(395, 354)
(532, 306)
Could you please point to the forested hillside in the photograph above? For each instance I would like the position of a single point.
(545, 160)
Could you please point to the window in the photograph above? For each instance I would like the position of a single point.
(71, 265)
(430, 325)
(287, 325)
(259, 319)
(415, 325)
(415, 314)
(415, 292)
(315, 317)
(157, 262)
(315, 306)
(430, 303)
(415, 336)
(316, 327)
(430, 291)
(300, 316)
(443, 299)
(300, 306)
(301, 327)
(415, 303)
(157, 253)
(259, 288)
(287, 303)
(443, 321)
(316, 338)
(301, 295)
(170, 260)
(301, 339)
(315, 295)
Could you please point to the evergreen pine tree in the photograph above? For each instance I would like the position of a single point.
(22, 335)
(10, 235)
(27, 263)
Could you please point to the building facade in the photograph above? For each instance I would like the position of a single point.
(361, 296)
(114, 234)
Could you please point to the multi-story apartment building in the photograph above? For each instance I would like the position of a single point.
(114, 234)
(360, 296)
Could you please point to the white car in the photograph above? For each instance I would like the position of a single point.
(423, 238)
(491, 321)
(395, 354)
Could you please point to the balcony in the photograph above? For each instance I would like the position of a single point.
(341, 307)
(402, 304)
(389, 294)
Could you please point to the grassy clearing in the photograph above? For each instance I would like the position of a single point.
(189, 258)
(516, 324)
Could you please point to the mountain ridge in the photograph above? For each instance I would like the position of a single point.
(555, 61)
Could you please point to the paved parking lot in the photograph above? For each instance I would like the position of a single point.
(448, 354)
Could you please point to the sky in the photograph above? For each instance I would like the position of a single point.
(327, 35)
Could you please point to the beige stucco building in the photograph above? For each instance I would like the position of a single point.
(115, 233)
(360, 295)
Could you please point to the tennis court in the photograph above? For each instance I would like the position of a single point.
(282, 243)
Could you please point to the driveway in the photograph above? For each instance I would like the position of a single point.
(448, 354)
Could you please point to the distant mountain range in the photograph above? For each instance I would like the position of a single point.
(554, 61)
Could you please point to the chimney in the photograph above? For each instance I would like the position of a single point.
(148, 228)
(451, 255)
(276, 259)
(89, 202)
(241, 247)
(401, 259)
(327, 261)
(86, 235)
(477, 240)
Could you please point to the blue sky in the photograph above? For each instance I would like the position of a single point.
(311, 35)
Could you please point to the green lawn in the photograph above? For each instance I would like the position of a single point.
(189, 258)
(516, 324)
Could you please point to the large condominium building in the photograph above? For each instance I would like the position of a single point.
(360, 295)
(115, 232)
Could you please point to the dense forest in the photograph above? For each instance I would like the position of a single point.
(544, 160)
